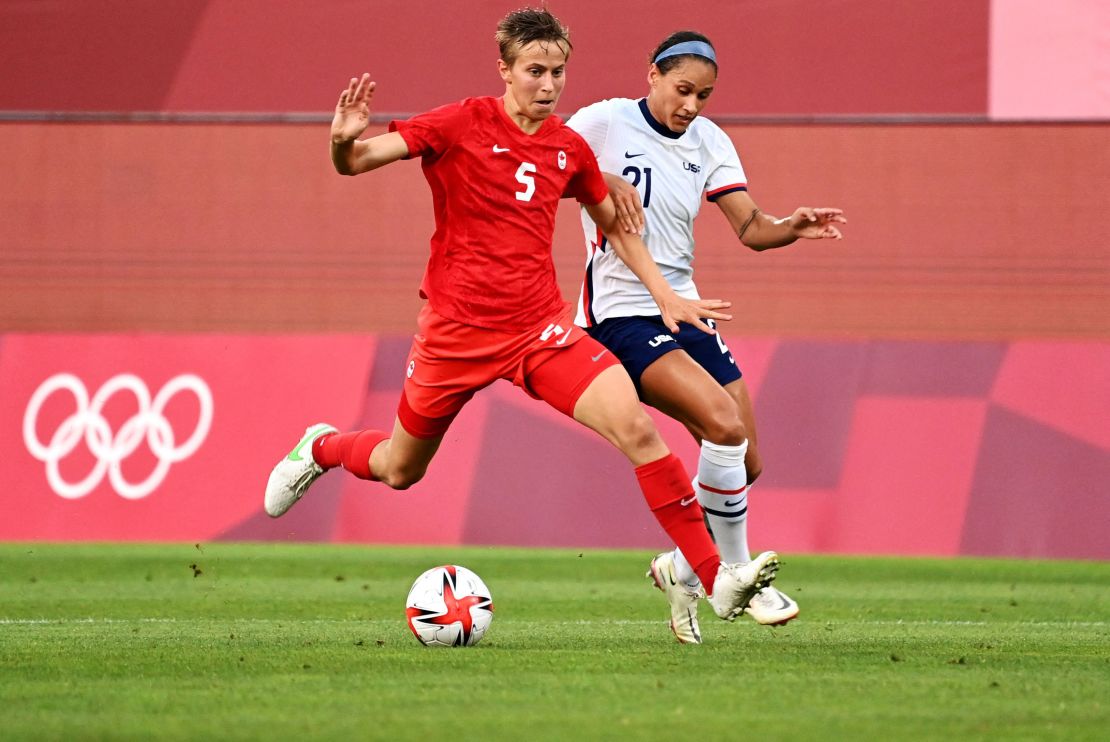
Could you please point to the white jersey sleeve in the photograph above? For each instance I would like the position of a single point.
(728, 175)
(592, 124)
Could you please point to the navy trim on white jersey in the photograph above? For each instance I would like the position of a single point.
(589, 302)
(714, 195)
(659, 128)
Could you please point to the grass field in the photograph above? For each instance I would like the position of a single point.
(225, 641)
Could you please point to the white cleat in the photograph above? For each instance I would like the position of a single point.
(737, 584)
(295, 473)
(683, 600)
(772, 607)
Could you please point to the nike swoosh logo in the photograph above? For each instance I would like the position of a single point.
(728, 504)
(630, 155)
(687, 500)
(500, 149)
(295, 454)
(782, 599)
(599, 355)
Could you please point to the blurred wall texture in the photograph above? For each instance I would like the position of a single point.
(937, 383)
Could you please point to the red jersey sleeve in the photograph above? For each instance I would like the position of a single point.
(587, 186)
(431, 133)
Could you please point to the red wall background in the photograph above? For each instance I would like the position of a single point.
(957, 232)
(784, 57)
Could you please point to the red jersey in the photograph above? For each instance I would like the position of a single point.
(495, 191)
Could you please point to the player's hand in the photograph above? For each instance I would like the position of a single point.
(692, 311)
(817, 224)
(626, 200)
(352, 112)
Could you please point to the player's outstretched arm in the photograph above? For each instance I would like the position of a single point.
(634, 253)
(761, 231)
(349, 154)
(626, 199)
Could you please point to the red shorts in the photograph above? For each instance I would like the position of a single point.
(449, 361)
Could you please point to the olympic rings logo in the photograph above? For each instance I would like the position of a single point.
(110, 450)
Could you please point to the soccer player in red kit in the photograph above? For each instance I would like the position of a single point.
(497, 168)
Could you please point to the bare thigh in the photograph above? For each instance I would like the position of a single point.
(610, 407)
(680, 388)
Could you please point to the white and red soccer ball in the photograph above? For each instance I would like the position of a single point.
(449, 606)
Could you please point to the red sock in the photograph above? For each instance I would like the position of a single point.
(666, 487)
(349, 450)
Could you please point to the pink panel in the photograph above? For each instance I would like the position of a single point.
(753, 354)
(513, 471)
(1037, 492)
(1063, 385)
(1050, 60)
(792, 520)
(547, 481)
(434, 510)
(264, 391)
(907, 476)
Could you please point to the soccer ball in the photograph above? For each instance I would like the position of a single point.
(449, 606)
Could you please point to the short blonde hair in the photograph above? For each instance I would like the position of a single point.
(521, 27)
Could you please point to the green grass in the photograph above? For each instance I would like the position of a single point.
(306, 642)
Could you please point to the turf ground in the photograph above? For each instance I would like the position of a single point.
(225, 641)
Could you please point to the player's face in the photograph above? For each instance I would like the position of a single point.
(677, 97)
(535, 80)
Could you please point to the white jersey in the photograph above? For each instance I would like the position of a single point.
(672, 172)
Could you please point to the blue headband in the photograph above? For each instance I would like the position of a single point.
(698, 48)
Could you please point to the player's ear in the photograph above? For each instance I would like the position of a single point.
(653, 75)
(505, 71)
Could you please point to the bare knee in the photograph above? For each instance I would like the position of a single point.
(724, 428)
(401, 461)
(402, 478)
(637, 434)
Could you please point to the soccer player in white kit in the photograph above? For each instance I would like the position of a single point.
(661, 159)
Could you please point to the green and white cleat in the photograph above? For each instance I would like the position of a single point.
(737, 584)
(294, 474)
(683, 600)
(772, 607)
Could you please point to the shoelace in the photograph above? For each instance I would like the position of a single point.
(307, 478)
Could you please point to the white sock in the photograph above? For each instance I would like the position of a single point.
(684, 572)
(722, 489)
